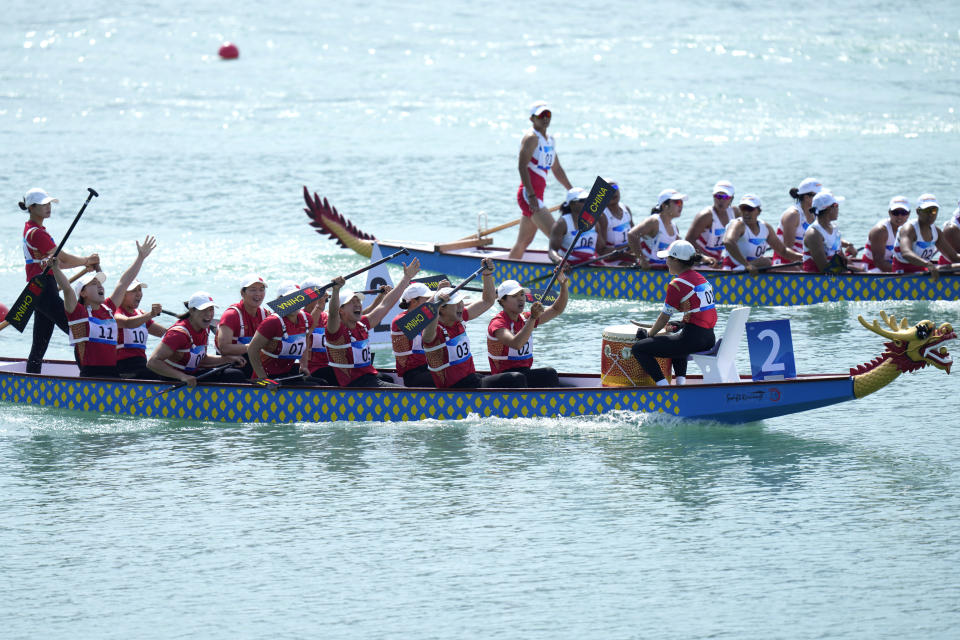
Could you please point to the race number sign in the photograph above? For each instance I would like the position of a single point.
(771, 350)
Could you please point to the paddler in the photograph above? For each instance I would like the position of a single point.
(538, 156)
(882, 237)
(796, 218)
(659, 230)
(240, 320)
(920, 242)
(93, 327)
(37, 247)
(688, 293)
(280, 342)
(348, 331)
(707, 230)
(182, 352)
(615, 224)
(317, 365)
(822, 242)
(747, 239)
(951, 231)
(409, 354)
(447, 347)
(510, 332)
(565, 230)
(133, 327)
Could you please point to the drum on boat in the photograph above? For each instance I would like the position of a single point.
(618, 367)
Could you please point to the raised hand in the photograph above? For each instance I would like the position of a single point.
(145, 249)
(411, 269)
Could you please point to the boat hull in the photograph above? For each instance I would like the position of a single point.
(766, 289)
(746, 401)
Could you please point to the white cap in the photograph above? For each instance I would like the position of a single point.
(346, 295)
(538, 107)
(825, 199)
(723, 186)
(509, 287)
(86, 279)
(679, 249)
(576, 194)
(415, 290)
(459, 296)
(251, 278)
(136, 283)
(37, 196)
(751, 201)
(310, 281)
(200, 300)
(670, 194)
(899, 202)
(809, 185)
(927, 201)
(287, 287)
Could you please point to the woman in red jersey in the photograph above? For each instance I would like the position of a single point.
(240, 320)
(37, 247)
(316, 364)
(133, 326)
(182, 352)
(510, 333)
(348, 331)
(409, 354)
(280, 341)
(688, 293)
(93, 328)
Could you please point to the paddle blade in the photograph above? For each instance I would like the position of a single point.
(597, 200)
(546, 297)
(433, 282)
(413, 322)
(22, 309)
(294, 301)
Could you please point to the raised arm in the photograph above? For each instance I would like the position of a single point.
(144, 250)
(489, 291)
(393, 297)
(69, 297)
(560, 303)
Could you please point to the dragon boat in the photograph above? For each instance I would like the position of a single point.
(778, 287)
(909, 348)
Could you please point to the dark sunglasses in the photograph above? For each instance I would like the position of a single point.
(933, 210)
(544, 114)
(900, 212)
(722, 196)
(748, 208)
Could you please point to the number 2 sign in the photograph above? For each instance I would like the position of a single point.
(771, 350)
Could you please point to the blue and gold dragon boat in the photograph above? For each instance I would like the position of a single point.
(773, 288)
(909, 348)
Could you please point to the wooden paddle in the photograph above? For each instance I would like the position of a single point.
(179, 385)
(505, 225)
(22, 309)
(285, 305)
(597, 200)
(414, 321)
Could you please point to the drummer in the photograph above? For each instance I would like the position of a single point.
(279, 342)
(409, 354)
(688, 293)
(447, 346)
(565, 230)
(796, 218)
(93, 328)
(707, 230)
(133, 326)
(182, 353)
(882, 238)
(822, 242)
(614, 225)
(239, 321)
(510, 333)
(747, 238)
(920, 243)
(316, 365)
(658, 231)
(348, 331)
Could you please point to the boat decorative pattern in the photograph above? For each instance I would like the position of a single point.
(910, 348)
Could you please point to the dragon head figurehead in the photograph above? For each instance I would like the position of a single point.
(910, 348)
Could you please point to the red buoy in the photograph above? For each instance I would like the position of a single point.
(3, 312)
(229, 51)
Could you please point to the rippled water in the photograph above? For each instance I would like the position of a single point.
(836, 523)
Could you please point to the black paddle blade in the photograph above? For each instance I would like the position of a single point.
(23, 308)
(546, 297)
(295, 301)
(413, 322)
(433, 282)
(597, 200)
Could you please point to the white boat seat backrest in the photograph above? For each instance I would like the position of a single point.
(722, 367)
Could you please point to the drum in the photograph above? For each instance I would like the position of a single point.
(618, 367)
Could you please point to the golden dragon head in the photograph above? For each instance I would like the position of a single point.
(913, 347)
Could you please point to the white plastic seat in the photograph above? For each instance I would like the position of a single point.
(722, 367)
